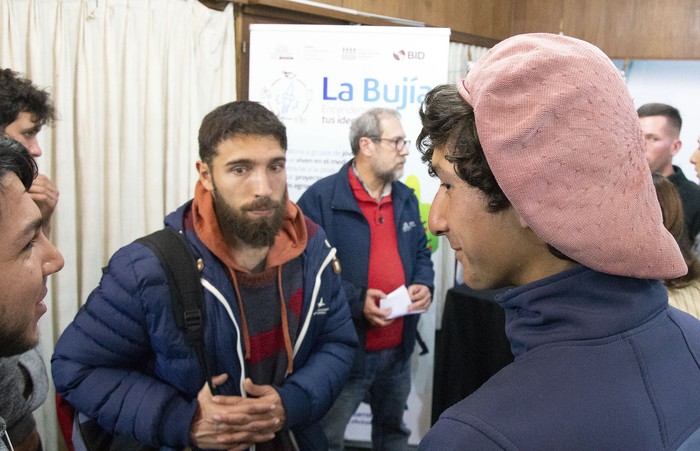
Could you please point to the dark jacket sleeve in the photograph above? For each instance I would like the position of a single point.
(423, 272)
(102, 363)
(315, 204)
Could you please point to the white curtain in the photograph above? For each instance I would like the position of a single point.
(131, 81)
(462, 57)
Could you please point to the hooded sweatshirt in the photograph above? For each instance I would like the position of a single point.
(269, 302)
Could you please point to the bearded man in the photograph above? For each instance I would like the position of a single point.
(27, 258)
(278, 334)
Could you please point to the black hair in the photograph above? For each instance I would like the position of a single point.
(15, 159)
(238, 118)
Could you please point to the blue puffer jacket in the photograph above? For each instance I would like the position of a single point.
(330, 203)
(124, 362)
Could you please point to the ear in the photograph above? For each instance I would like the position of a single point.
(366, 146)
(521, 220)
(676, 146)
(205, 175)
(528, 235)
(515, 220)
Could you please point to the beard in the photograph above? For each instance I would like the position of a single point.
(259, 232)
(387, 176)
(14, 339)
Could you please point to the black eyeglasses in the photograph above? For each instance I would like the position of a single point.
(399, 143)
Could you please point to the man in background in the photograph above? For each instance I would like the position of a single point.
(24, 109)
(695, 159)
(661, 126)
(27, 258)
(374, 222)
(544, 189)
(278, 336)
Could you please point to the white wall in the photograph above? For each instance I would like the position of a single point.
(676, 83)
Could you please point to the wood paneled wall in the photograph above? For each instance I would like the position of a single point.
(634, 29)
(623, 29)
(488, 18)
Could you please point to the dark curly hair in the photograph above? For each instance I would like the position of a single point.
(19, 95)
(448, 122)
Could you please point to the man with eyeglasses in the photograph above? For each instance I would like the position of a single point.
(373, 221)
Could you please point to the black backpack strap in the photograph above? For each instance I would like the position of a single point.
(186, 293)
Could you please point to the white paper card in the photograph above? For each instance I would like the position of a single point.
(398, 301)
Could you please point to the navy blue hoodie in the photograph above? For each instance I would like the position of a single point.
(602, 363)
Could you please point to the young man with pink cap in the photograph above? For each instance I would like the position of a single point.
(545, 189)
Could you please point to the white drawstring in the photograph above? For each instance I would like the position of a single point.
(5, 436)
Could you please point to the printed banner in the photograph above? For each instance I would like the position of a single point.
(317, 79)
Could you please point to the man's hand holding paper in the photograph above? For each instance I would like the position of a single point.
(406, 301)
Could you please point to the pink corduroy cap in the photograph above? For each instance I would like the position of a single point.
(562, 137)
